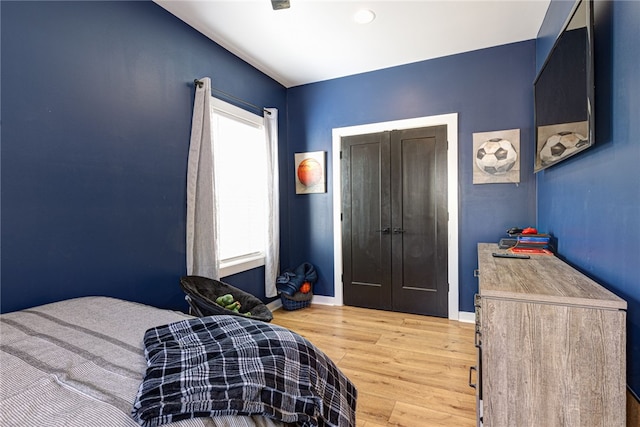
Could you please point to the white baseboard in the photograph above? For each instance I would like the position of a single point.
(324, 300)
(463, 316)
(466, 317)
(317, 299)
(274, 305)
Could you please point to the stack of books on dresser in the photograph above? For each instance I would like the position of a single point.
(540, 241)
(527, 243)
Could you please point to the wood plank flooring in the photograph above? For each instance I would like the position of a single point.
(410, 370)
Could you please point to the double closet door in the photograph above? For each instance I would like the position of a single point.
(394, 220)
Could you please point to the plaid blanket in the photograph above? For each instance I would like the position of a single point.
(229, 365)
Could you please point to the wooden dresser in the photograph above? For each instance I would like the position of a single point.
(551, 345)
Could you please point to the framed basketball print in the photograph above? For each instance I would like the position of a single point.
(310, 172)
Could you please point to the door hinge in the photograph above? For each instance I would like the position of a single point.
(340, 216)
(340, 154)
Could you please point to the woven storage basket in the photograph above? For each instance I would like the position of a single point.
(297, 301)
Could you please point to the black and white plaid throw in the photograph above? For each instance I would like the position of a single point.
(230, 365)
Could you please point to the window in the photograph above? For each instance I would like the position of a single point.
(241, 186)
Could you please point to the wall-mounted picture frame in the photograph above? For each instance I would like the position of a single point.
(310, 172)
(496, 157)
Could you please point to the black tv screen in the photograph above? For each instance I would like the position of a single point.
(564, 92)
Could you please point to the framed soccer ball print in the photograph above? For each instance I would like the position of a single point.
(496, 157)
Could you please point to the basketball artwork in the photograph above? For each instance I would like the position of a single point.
(310, 172)
(496, 157)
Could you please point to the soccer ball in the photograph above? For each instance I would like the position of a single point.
(561, 145)
(496, 156)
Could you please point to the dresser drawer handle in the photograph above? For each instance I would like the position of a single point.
(476, 341)
(471, 369)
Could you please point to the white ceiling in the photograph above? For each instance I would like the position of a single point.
(317, 40)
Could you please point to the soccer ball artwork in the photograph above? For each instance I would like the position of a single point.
(496, 156)
(561, 144)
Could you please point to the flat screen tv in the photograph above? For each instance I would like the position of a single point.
(564, 92)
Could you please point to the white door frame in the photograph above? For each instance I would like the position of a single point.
(451, 120)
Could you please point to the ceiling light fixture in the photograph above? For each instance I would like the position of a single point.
(364, 16)
(280, 4)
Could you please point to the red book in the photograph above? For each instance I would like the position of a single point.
(538, 251)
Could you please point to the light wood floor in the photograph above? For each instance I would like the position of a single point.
(410, 370)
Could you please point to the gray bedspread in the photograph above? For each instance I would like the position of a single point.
(80, 362)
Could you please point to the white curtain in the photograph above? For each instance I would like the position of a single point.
(272, 251)
(202, 222)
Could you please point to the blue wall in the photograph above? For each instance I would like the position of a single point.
(591, 202)
(490, 89)
(96, 103)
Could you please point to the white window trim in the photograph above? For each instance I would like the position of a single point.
(238, 265)
(228, 267)
(230, 110)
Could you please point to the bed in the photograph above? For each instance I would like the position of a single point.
(98, 361)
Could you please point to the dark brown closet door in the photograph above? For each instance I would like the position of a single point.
(419, 233)
(395, 221)
(366, 221)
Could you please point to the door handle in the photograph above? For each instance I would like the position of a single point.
(397, 230)
(383, 231)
